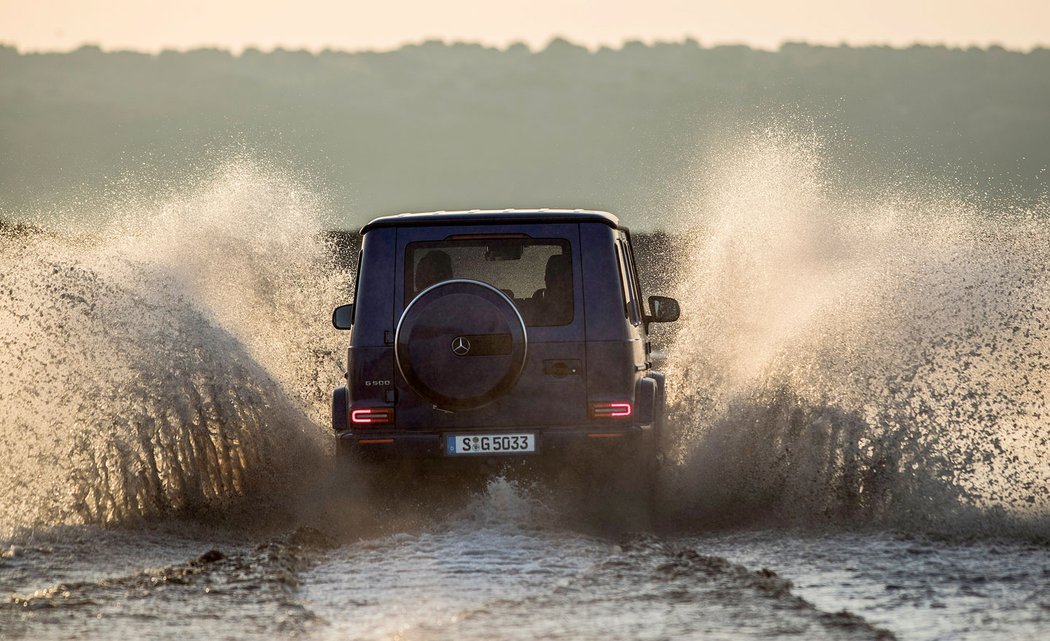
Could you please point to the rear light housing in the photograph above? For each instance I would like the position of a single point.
(372, 416)
(616, 409)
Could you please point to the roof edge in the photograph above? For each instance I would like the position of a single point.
(493, 216)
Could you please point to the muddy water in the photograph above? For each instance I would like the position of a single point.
(858, 444)
(505, 566)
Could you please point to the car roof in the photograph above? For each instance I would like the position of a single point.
(494, 216)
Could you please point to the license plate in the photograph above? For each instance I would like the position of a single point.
(467, 444)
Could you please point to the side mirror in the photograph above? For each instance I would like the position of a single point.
(343, 317)
(664, 310)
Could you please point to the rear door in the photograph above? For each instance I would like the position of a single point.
(537, 266)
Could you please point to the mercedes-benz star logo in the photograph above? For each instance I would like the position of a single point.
(460, 346)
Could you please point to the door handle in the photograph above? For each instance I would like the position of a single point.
(561, 369)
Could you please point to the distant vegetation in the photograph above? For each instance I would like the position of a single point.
(450, 126)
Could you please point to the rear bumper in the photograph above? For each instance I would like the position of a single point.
(552, 443)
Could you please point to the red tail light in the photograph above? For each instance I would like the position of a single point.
(372, 416)
(610, 410)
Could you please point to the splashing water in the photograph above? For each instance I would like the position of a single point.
(172, 363)
(839, 358)
(843, 358)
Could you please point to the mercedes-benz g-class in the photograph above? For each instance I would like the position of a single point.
(515, 336)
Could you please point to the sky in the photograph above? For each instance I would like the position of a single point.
(153, 25)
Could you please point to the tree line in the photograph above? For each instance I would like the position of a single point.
(439, 125)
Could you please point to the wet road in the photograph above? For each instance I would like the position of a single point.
(507, 565)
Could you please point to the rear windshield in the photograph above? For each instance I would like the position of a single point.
(534, 273)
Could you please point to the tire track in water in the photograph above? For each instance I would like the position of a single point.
(657, 590)
(246, 593)
(513, 565)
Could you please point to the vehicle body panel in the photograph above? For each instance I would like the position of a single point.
(601, 355)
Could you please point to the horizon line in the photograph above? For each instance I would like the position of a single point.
(515, 44)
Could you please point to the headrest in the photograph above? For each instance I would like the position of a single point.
(557, 265)
(434, 267)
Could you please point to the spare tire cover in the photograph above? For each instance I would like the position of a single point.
(460, 344)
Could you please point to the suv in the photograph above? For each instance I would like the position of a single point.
(503, 338)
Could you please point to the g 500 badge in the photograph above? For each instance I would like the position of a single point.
(378, 383)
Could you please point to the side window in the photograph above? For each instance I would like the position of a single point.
(632, 273)
(357, 284)
(630, 302)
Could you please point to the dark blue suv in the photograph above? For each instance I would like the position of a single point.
(503, 337)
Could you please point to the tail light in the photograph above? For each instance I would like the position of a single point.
(610, 410)
(372, 416)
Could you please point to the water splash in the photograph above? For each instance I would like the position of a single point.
(173, 362)
(840, 357)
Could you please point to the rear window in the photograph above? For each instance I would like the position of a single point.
(536, 274)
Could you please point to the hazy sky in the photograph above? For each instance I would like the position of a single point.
(152, 25)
